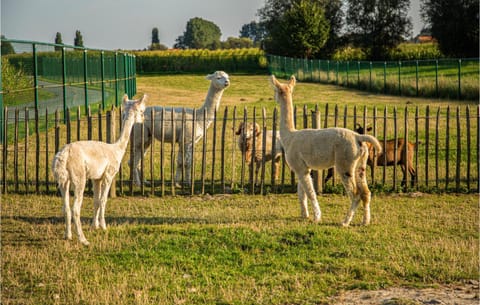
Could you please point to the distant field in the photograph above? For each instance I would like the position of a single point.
(234, 249)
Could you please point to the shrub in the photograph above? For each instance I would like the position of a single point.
(415, 51)
(349, 53)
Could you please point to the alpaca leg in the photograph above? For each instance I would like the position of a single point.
(306, 182)
(106, 183)
(302, 196)
(180, 168)
(65, 191)
(351, 189)
(188, 163)
(77, 206)
(364, 194)
(277, 169)
(96, 204)
(137, 153)
(257, 169)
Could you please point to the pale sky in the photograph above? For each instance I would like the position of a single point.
(128, 24)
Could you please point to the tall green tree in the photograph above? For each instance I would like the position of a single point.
(301, 32)
(454, 23)
(156, 45)
(78, 40)
(378, 25)
(199, 34)
(254, 31)
(155, 38)
(58, 40)
(274, 10)
(7, 47)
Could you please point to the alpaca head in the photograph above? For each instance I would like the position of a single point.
(134, 108)
(219, 80)
(282, 91)
(248, 131)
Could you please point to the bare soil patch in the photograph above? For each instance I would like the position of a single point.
(464, 294)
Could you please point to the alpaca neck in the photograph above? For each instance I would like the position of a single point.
(122, 141)
(286, 119)
(212, 101)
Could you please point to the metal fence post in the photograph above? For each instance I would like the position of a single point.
(116, 79)
(102, 77)
(64, 81)
(399, 78)
(436, 78)
(125, 73)
(416, 76)
(35, 75)
(85, 79)
(459, 79)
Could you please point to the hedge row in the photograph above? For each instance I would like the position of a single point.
(251, 60)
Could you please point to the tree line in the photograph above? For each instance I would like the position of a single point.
(319, 28)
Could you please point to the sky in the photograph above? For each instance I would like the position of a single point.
(128, 24)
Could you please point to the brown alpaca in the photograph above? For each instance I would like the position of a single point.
(321, 149)
(246, 133)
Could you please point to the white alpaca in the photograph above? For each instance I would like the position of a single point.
(219, 82)
(321, 149)
(246, 133)
(76, 162)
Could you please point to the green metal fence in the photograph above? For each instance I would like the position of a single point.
(46, 77)
(445, 78)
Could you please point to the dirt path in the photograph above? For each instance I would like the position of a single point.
(466, 294)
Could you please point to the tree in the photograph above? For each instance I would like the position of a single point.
(7, 47)
(58, 40)
(199, 34)
(274, 10)
(378, 25)
(237, 43)
(454, 23)
(156, 45)
(155, 38)
(301, 32)
(78, 41)
(254, 31)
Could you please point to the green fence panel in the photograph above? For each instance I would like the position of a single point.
(41, 76)
(442, 78)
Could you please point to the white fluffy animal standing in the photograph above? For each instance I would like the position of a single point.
(99, 161)
(321, 149)
(219, 81)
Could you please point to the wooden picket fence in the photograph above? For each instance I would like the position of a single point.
(446, 156)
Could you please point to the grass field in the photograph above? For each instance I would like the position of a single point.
(234, 249)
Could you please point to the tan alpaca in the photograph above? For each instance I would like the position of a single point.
(76, 162)
(321, 149)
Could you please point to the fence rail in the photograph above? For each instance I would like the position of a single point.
(446, 156)
(443, 78)
(44, 76)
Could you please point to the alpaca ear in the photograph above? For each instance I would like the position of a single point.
(292, 82)
(239, 129)
(369, 128)
(143, 99)
(210, 76)
(274, 82)
(125, 98)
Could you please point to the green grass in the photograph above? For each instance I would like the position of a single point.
(233, 249)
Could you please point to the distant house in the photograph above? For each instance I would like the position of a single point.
(424, 36)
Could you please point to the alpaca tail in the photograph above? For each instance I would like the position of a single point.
(372, 140)
(59, 167)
